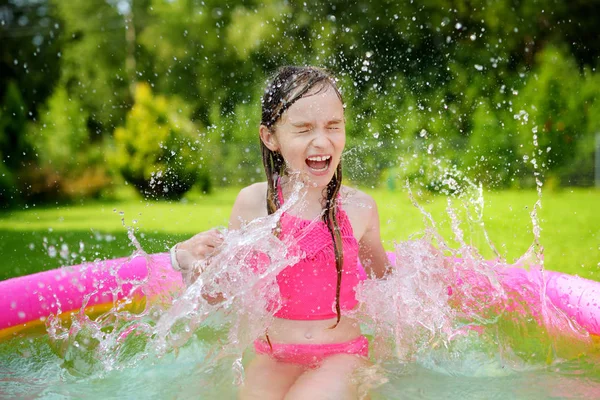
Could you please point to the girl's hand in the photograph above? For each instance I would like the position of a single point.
(198, 248)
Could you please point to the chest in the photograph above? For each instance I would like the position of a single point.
(312, 239)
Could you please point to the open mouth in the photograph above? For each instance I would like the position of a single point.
(318, 163)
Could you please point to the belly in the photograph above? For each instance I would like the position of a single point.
(315, 331)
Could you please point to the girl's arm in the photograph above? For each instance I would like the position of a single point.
(205, 244)
(371, 252)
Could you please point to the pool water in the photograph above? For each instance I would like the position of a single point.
(31, 368)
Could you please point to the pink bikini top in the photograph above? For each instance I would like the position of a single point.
(308, 288)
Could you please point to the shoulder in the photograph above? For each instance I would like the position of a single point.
(360, 208)
(250, 204)
(356, 199)
(253, 195)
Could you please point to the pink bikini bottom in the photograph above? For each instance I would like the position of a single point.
(311, 354)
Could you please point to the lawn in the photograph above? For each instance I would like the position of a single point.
(41, 238)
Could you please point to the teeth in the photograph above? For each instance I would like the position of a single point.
(319, 158)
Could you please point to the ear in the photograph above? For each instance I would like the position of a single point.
(268, 138)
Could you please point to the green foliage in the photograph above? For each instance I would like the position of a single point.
(458, 70)
(13, 148)
(93, 60)
(237, 145)
(159, 150)
(551, 111)
(30, 51)
(13, 120)
(490, 155)
(68, 164)
(61, 132)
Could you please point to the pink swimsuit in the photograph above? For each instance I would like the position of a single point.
(308, 288)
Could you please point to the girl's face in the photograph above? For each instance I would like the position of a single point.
(310, 135)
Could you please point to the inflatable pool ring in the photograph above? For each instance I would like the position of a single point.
(26, 302)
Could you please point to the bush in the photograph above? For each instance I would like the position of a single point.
(68, 165)
(556, 111)
(61, 135)
(159, 150)
(490, 156)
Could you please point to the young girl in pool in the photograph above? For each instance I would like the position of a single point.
(312, 348)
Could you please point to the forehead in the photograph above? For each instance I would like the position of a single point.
(318, 104)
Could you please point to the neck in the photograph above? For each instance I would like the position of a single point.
(313, 197)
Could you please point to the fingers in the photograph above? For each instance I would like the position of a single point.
(209, 240)
(204, 244)
(212, 236)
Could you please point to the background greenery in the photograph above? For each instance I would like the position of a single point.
(98, 97)
(465, 83)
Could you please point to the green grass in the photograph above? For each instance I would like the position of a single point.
(569, 219)
(570, 222)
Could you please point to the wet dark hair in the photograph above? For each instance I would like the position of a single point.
(288, 85)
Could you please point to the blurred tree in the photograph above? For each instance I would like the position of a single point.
(68, 165)
(550, 113)
(93, 61)
(61, 133)
(458, 70)
(236, 149)
(490, 155)
(14, 150)
(159, 150)
(30, 33)
(13, 121)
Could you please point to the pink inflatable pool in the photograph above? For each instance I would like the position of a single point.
(26, 302)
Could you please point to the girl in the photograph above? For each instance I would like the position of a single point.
(312, 348)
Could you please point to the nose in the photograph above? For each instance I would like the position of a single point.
(320, 139)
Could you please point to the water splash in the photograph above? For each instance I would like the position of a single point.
(443, 309)
(438, 297)
(235, 297)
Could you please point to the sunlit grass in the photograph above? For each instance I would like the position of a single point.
(570, 222)
(569, 219)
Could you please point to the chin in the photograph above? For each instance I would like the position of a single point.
(319, 181)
